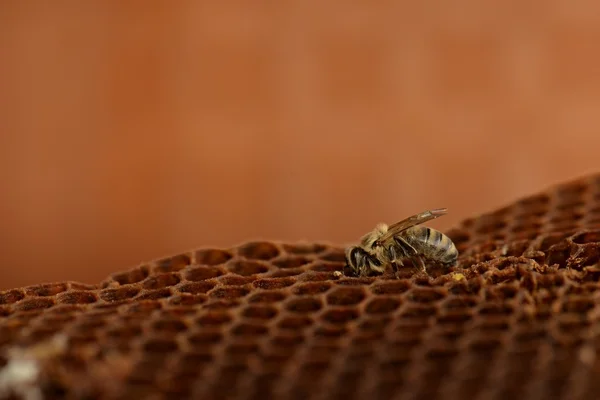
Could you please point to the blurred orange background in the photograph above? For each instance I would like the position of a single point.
(136, 130)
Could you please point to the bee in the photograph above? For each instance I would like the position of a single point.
(402, 241)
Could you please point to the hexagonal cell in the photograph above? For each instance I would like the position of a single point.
(200, 273)
(11, 296)
(246, 329)
(143, 307)
(577, 304)
(48, 289)
(329, 266)
(287, 341)
(486, 344)
(375, 324)
(291, 262)
(587, 255)
(283, 273)
(172, 264)
(118, 294)
(189, 361)
(161, 281)
(263, 383)
(333, 255)
(274, 283)
(196, 287)
(247, 268)
(22, 319)
(589, 236)
(546, 241)
(591, 221)
(391, 287)
(214, 318)
(340, 316)
(493, 323)
(449, 331)
(295, 322)
(572, 323)
(267, 297)
(77, 297)
(312, 288)
(527, 225)
(594, 209)
(405, 337)
(66, 310)
(425, 294)
(346, 296)
(501, 292)
(458, 236)
(236, 280)
(558, 254)
(129, 332)
(80, 286)
(571, 190)
(204, 337)
(318, 352)
(154, 294)
(171, 311)
(211, 257)
(534, 202)
(459, 302)
(259, 312)
(243, 349)
(421, 311)
(528, 234)
(571, 217)
(160, 345)
(232, 292)
(515, 248)
(304, 305)
(304, 248)
(382, 305)
(564, 226)
(132, 276)
(442, 351)
(569, 205)
(259, 251)
(89, 324)
(489, 223)
(187, 299)
(41, 333)
(496, 309)
(34, 304)
(330, 331)
(311, 276)
(529, 333)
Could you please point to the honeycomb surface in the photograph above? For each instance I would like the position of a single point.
(518, 317)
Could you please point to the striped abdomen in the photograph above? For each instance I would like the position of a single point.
(432, 244)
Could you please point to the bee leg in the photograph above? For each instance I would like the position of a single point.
(421, 264)
(396, 264)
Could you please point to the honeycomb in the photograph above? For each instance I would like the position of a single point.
(517, 317)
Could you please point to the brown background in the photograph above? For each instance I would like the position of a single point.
(134, 130)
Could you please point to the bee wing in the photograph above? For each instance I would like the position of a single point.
(409, 222)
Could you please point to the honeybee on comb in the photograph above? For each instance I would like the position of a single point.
(402, 241)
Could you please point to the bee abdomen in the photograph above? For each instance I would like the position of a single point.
(436, 245)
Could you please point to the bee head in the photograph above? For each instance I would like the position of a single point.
(355, 259)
